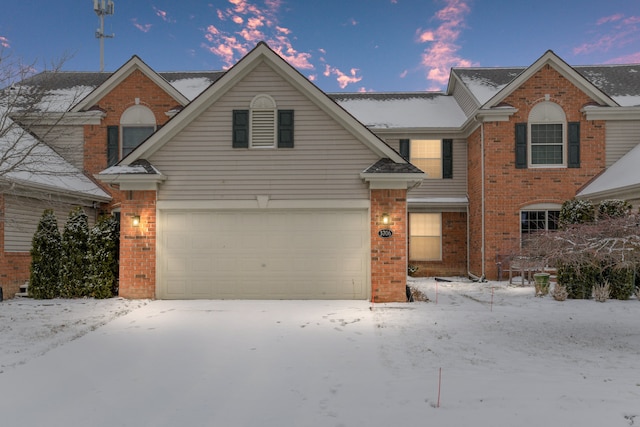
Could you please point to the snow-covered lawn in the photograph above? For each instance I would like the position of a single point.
(483, 355)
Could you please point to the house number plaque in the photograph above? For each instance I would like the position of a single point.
(385, 233)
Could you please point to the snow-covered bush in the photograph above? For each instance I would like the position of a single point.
(102, 258)
(73, 259)
(613, 208)
(576, 212)
(45, 258)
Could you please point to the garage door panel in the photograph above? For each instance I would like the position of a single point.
(263, 254)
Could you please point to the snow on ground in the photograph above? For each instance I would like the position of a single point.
(476, 355)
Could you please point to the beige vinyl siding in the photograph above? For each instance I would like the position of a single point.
(464, 99)
(434, 188)
(22, 216)
(68, 141)
(325, 162)
(621, 137)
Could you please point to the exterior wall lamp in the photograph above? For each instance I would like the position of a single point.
(386, 219)
(135, 220)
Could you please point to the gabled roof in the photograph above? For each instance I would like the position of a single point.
(618, 83)
(64, 89)
(261, 54)
(550, 58)
(135, 63)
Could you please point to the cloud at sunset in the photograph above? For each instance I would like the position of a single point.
(441, 51)
(242, 24)
(4, 42)
(163, 15)
(612, 32)
(142, 27)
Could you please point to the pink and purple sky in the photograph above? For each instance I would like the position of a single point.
(341, 45)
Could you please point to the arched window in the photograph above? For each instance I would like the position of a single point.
(547, 135)
(136, 124)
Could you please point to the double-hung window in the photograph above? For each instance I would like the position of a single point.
(432, 156)
(547, 139)
(425, 236)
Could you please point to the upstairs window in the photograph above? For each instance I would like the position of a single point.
(137, 123)
(432, 156)
(547, 140)
(263, 125)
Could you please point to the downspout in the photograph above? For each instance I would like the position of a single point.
(482, 247)
(482, 250)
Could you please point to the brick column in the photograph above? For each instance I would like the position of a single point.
(389, 254)
(138, 245)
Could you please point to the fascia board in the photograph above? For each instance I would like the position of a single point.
(133, 181)
(393, 181)
(611, 113)
(67, 194)
(135, 63)
(93, 117)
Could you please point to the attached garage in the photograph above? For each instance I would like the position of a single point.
(263, 254)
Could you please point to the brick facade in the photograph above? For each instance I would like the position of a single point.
(389, 254)
(138, 245)
(508, 190)
(454, 249)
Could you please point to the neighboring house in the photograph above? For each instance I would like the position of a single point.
(253, 183)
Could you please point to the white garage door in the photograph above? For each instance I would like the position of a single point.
(263, 254)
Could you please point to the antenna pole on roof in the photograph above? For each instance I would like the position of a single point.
(102, 8)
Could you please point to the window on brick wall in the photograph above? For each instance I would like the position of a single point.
(137, 123)
(535, 219)
(547, 140)
(425, 236)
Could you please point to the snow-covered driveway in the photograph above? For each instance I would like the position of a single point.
(506, 358)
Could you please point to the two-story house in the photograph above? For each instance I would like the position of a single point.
(253, 183)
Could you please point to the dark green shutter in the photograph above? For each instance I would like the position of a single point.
(240, 128)
(404, 148)
(112, 145)
(521, 145)
(574, 145)
(447, 158)
(285, 128)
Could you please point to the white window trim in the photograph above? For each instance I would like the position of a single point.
(547, 113)
(136, 116)
(263, 104)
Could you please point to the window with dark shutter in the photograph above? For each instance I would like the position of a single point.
(240, 128)
(112, 145)
(521, 145)
(447, 158)
(574, 145)
(404, 148)
(285, 128)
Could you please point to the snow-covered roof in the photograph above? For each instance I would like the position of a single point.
(622, 175)
(64, 89)
(27, 161)
(402, 110)
(620, 82)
